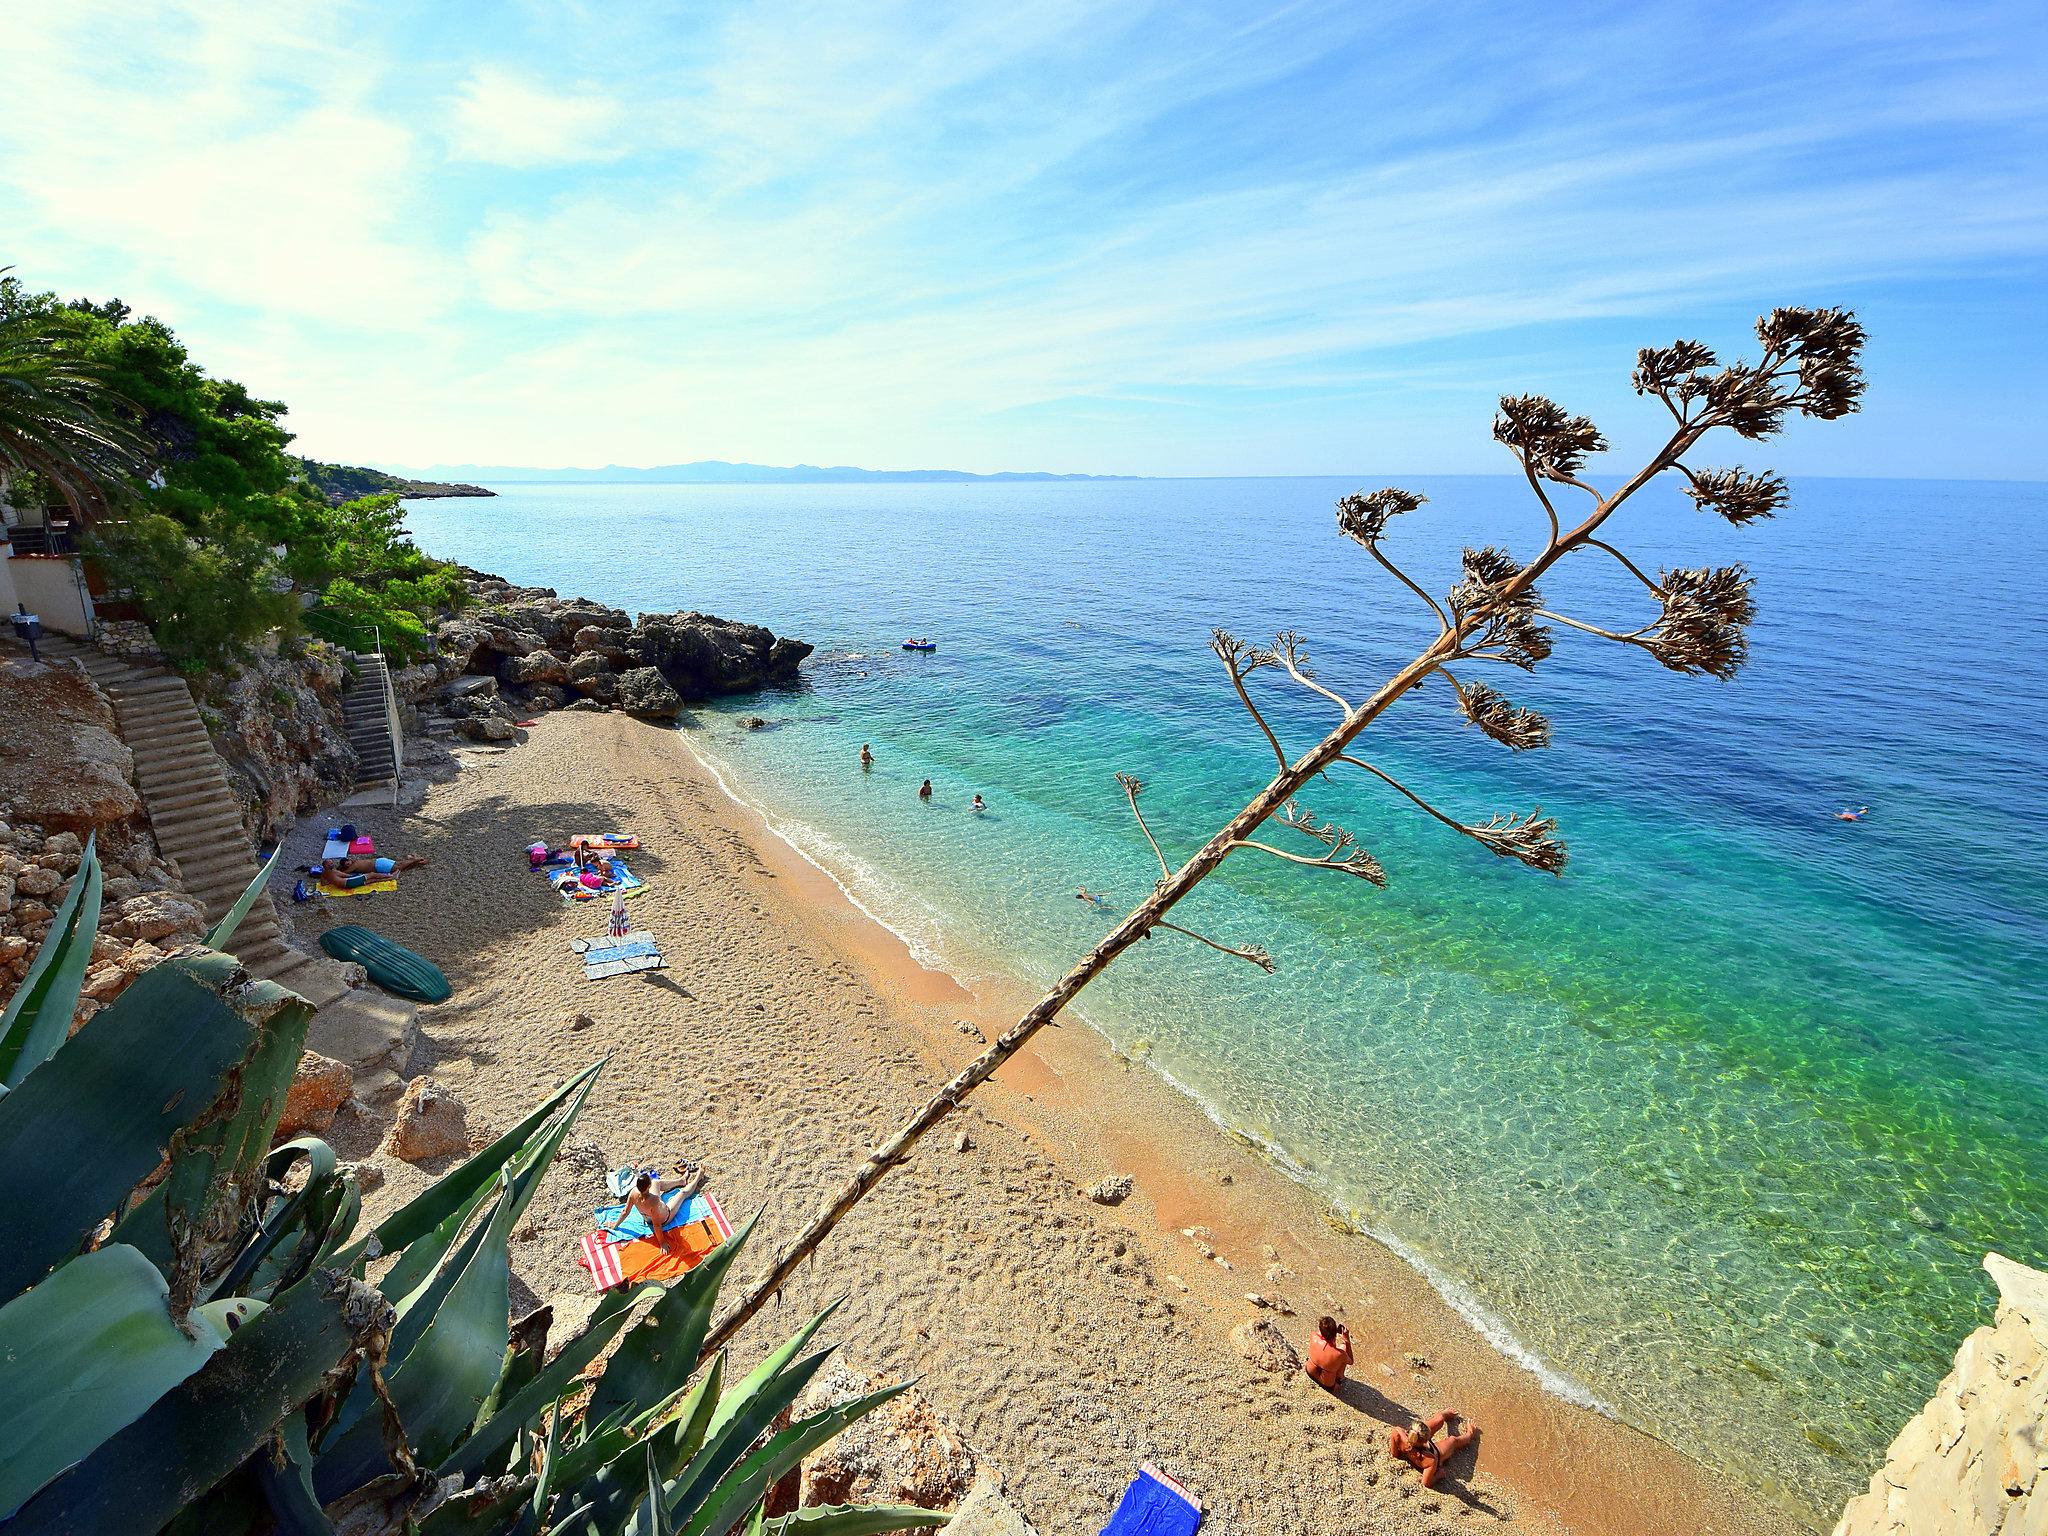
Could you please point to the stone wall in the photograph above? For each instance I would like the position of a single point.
(276, 724)
(1974, 1461)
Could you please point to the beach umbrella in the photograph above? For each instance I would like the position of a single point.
(621, 925)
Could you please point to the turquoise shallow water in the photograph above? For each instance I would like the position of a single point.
(1714, 1130)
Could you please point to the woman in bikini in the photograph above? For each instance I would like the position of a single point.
(1432, 1443)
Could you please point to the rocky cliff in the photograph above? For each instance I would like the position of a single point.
(65, 776)
(523, 650)
(1974, 1461)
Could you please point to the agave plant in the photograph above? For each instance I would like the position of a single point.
(208, 1354)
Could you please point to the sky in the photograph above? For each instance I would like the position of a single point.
(1106, 237)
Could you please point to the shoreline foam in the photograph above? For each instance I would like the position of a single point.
(816, 848)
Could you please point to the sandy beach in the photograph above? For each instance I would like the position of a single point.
(1066, 1340)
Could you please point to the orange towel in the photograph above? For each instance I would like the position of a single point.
(647, 1259)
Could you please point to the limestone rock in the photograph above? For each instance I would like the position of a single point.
(431, 1123)
(62, 765)
(702, 655)
(320, 1086)
(1973, 1460)
(485, 728)
(541, 666)
(903, 1453)
(987, 1511)
(646, 693)
(1261, 1342)
(1113, 1190)
(158, 915)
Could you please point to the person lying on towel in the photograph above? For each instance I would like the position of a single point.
(658, 1200)
(335, 868)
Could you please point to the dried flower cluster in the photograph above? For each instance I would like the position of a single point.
(1706, 611)
(1552, 443)
(1531, 837)
(1506, 722)
(1736, 494)
(1363, 515)
(1507, 630)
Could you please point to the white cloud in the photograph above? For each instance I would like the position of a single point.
(500, 118)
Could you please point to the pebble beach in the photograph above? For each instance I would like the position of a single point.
(1067, 1341)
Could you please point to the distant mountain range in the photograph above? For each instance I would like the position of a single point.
(719, 472)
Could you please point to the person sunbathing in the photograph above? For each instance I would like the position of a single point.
(364, 864)
(1432, 1443)
(656, 1201)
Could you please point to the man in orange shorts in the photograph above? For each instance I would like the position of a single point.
(1433, 1443)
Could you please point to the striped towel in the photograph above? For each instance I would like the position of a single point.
(600, 1256)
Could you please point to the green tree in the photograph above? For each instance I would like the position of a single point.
(63, 427)
(227, 535)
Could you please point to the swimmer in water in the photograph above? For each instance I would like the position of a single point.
(979, 804)
(1091, 897)
(924, 790)
(1856, 815)
(867, 757)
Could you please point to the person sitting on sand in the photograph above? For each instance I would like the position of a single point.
(867, 757)
(1329, 1354)
(1432, 1443)
(363, 864)
(924, 790)
(657, 1201)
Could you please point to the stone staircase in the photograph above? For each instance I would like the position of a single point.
(367, 722)
(195, 817)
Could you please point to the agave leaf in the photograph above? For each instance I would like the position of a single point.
(428, 1210)
(759, 1524)
(213, 1186)
(289, 1488)
(609, 1495)
(82, 1356)
(224, 930)
(488, 1509)
(661, 1353)
(650, 1517)
(442, 1383)
(285, 1213)
(39, 1015)
(207, 1425)
(743, 1417)
(745, 1486)
(855, 1520)
(554, 1379)
(88, 1126)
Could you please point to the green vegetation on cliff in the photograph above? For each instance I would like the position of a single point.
(345, 482)
(212, 529)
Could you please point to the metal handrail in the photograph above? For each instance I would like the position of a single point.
(390, 714)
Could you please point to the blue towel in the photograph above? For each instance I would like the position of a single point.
(1154, 1507)
(635, 1225)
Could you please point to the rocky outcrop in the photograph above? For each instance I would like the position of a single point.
(320, 1086)
(277, 727)
(1974, 1461)
(66, 776)
(903, 1453)
(1262, 1343)
(431, 1123)
(543, 652)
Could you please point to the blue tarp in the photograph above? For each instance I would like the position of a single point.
(635, 1225)
(1154, 1506)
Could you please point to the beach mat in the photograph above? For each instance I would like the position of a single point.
(376, 885)
(699, 1207)
(334, 848)
(614, 840)
(612, 1264)
(1155, 1505)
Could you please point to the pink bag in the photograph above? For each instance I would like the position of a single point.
(362, 845)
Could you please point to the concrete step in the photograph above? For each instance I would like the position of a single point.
(162, 754)
(184, 794)
(189, 734)
(199, 824)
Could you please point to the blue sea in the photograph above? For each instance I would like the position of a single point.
(1714, 1130)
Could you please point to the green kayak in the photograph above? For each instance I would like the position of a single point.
(392, 966)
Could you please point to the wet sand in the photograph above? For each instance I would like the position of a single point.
(1067, 1341)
